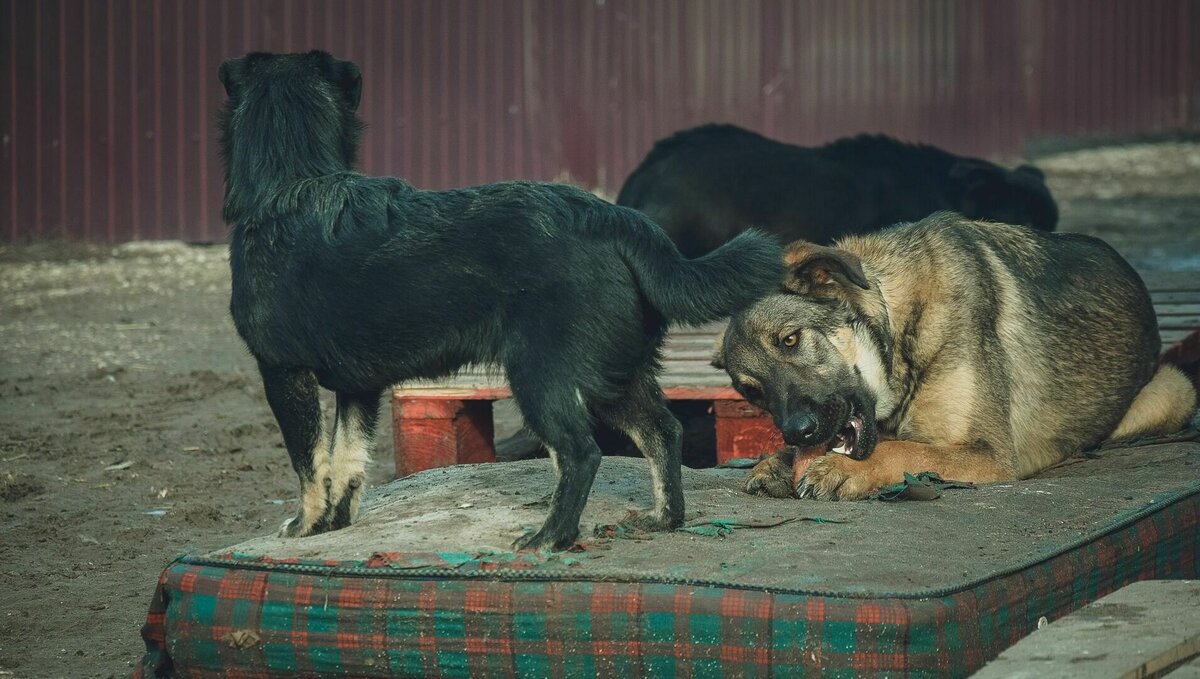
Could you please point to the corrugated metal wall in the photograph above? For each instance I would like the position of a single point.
(108, 104)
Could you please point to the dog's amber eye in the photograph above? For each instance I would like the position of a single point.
(791, 341)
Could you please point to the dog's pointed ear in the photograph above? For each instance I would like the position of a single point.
(230, 74)
(348, 78)
(344, 75)
(820, 271)
(351, 84)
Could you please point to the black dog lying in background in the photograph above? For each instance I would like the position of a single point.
(706, 184)
(355, 283)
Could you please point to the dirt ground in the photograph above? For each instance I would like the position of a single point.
(133, 427)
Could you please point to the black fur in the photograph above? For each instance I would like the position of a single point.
(706, 184)
(356, 283)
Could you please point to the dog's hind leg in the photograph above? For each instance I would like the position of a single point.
(644, 417)
(559, 417)
(350, 451)
(293, 395)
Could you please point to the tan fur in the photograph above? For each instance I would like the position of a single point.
(339, 467)
(773, 475)
(992, 378)
(944, 409)
(350, 454)
(313, 494)
(1162, 407)
(831, 476)
(846, 344)
(869, 363)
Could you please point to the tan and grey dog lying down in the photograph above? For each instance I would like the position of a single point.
(980, 352)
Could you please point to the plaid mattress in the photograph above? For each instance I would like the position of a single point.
(439, 615)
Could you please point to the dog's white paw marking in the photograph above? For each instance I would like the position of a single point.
(286, 526)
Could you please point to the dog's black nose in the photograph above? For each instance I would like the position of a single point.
(800, 428)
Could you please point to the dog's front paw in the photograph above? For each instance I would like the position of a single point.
(652, 522)
(315, 514)
(772, 477)
(298, 527)
(343, 501)
(836, 477)
(543, 539)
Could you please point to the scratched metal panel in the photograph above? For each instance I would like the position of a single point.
(106, 121)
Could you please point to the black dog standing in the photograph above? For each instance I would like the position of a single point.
(355, 283)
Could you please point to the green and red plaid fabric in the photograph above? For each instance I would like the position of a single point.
(242, 617)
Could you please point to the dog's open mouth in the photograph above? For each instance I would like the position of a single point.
(845, 442)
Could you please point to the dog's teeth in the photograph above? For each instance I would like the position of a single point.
(841, 450)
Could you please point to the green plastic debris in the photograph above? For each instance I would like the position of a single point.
(719, 528)
(922, 486)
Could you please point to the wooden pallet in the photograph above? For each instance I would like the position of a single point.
(437, 424)
(450, 421)
(1176, 297)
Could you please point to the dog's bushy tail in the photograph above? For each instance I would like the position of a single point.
(692, 291)
(1163, 406)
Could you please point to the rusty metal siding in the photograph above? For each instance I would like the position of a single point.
(106, 129)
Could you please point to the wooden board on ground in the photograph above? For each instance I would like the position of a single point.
(1188, 670)
(1176, 297)
(1137, 631)
(687, 356)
